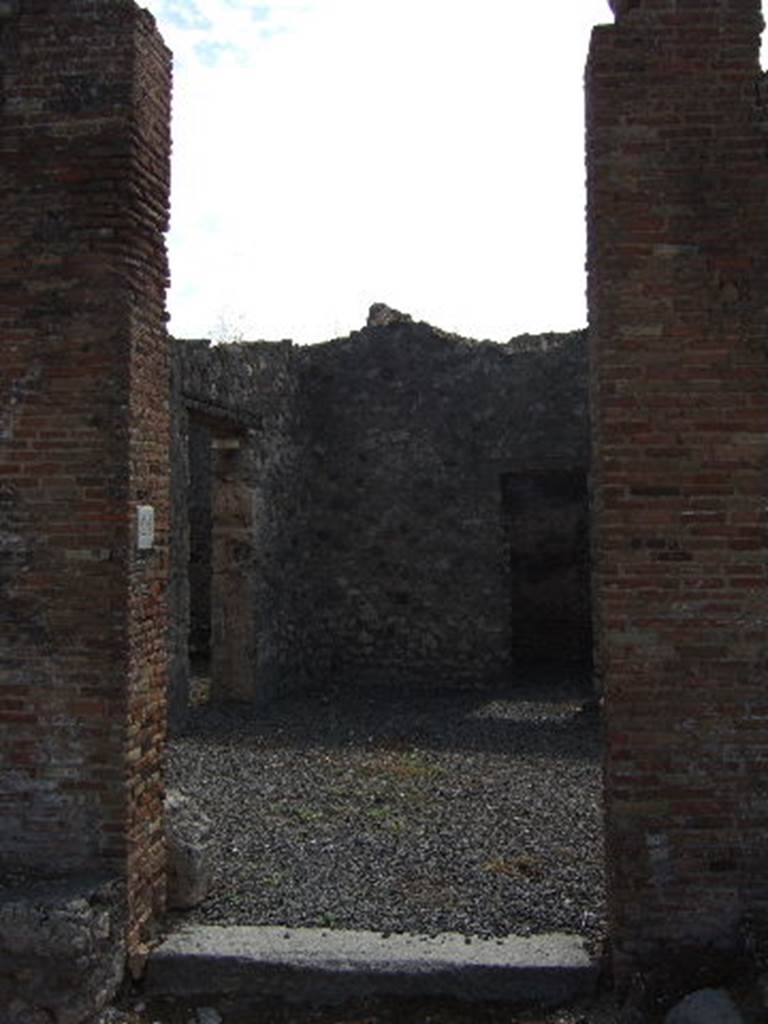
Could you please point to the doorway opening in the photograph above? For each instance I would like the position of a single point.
(199, 560)
(546, 520)
(221, 632)
(473, 809)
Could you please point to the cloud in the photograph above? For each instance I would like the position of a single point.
(412, 153)
(182, 14)
(208, 33)
(213, 54)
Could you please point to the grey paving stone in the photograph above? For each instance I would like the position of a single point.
(707, 1006)
(318, 966)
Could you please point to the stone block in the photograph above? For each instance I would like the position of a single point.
(62, 950)
(188, 837)
(707, 1006)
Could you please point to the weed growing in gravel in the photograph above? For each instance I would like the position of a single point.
(406, 765)
(306, 815)
(326, 920)
(386, 815)
(513, 867)
(274, 879)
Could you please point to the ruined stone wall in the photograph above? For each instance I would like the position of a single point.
(237, 436)
(678, 289)
(83, 441)
(419, 509)
(446, 506)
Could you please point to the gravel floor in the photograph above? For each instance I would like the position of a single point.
(470, 812)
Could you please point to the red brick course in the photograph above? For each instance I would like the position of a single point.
(678, 294)
(84, 438)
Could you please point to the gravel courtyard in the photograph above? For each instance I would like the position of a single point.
(475, 812)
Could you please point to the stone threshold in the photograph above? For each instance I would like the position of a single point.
(323, 967)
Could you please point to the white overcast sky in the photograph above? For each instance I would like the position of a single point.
(333, 153)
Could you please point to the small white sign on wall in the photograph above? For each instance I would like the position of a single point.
(145, 527)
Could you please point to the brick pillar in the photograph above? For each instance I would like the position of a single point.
(678, 295)
(83, 442)
(233, 630)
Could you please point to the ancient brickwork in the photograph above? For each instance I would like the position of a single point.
(149, 450)
(678, 288)
(84, 199)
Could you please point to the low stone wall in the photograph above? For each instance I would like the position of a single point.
(62, 950)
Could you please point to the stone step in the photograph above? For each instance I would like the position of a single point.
(312, 965)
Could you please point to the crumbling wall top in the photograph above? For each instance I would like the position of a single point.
(667, 8)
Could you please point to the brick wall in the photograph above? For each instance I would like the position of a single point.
(678, 290)
(83, 440)
(149, 454)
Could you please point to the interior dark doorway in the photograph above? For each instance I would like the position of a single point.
(546, 519)
(199, 510)
(221, 633)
